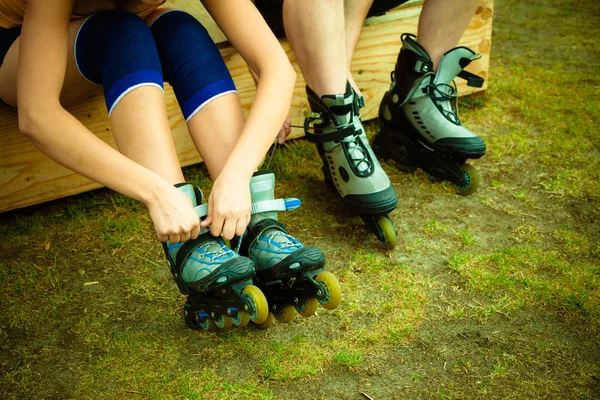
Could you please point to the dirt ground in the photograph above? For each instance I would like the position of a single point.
(491, 296)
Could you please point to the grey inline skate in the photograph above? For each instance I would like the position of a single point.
(419, 117)
(217, 281)
(291, 275)
(349, 165)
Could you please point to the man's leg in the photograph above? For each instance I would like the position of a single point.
(316, 32)
(420, 126)
(355, 12)
(442, 24)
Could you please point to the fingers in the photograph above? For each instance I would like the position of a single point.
(182, 233)
(195, 232)
(175, 238)
(281, 136)
(241, 226)
(285, 130)
(228, 227)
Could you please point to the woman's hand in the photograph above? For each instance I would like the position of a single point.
(228, 206)
(285, 130)
(174, 216)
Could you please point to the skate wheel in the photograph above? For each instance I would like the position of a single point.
(388, 232)
(268, 322)
(308, 308)
(258, 309)
(333, 296)
(224, 323)
(241, 319)
(208, 324)
(285, 314)
(471, 177)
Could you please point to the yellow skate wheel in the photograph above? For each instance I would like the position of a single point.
(224, 323)
(268, 322)
(241, 319)
(258, 308)
(390, 237)
(309, 308)
(473, 180)
(285, 314)
(333, 297)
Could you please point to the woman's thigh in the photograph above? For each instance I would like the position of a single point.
(75, 86)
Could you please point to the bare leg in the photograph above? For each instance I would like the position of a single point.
(215, 132)
(355, 12)
(315, 30)
(441, 25)
(143, 134)
(75, 87)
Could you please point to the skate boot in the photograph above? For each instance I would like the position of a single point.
(419, 117)
(349, 165)
(289, 274)
(217, 281)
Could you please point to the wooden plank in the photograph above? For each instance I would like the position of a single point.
(28, 177)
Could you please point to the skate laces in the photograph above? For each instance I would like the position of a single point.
(277, 240)
(358, 153)
(440, 94)
(214, 250)
(222, 251)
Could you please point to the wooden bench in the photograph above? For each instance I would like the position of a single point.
(28, 177)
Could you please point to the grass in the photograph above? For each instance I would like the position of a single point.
(491, 296)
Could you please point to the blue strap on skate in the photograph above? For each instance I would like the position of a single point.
(287, 204)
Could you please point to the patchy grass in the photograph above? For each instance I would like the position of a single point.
(491, 296)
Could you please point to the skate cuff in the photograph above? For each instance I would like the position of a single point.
(202, 210)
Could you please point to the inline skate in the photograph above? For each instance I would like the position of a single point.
(349, 165)
(419, 117)
(291, 275)
(217, 281)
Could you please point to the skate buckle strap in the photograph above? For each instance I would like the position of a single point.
(265, 224)
(318, 118)
(359, 102)
(422, 66)
(287, 204)
(313, 117)
(202, 210)
(472, 79)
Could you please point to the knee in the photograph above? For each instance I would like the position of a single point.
(116, 49)
(153, 16)
(191, 62)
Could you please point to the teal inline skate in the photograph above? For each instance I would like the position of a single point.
(217, 281)
(291, 275)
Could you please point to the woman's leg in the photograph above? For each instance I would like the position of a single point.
(75, 87)
(117, 50)
(205, 91)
